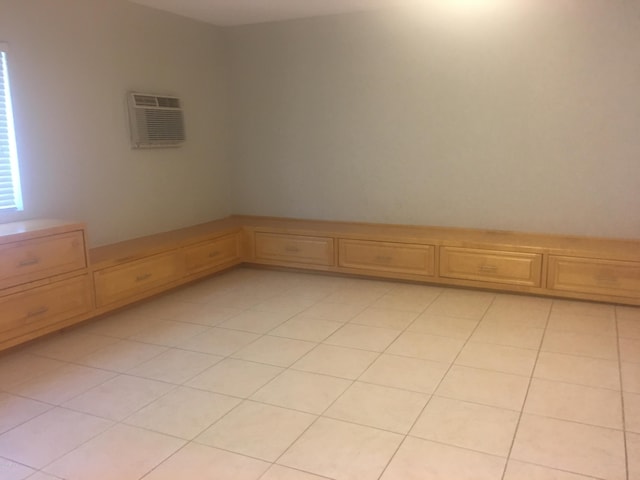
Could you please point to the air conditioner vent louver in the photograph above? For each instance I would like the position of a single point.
(156, 121)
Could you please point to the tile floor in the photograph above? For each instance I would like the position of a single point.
(268, 375)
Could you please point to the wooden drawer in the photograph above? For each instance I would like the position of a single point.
(134, 278)
(32, 309)
(38, 258)
(386, 256)
(586, 275)
(296, 249)
(206, 255)
(491, 266)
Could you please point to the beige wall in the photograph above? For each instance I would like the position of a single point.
(71, 63)
(527, 120)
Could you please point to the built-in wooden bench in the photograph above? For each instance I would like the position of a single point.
(113, 276)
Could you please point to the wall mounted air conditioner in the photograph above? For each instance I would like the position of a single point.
(155, 121)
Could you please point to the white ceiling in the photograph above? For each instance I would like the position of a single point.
(242, 12)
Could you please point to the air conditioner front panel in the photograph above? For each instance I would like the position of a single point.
(155, 121)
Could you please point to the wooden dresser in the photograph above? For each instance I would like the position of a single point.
(44, 279)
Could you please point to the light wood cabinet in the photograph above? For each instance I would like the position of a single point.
(210, 254)
(294, 249)
(29, 310)
(133, 279)
(491, 266)
(373, 256)
(594, 276)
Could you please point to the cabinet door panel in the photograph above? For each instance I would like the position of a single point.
(38, 258)
(209, 254)
(586, 275)
(406, 258)
(491, 266)
(118, 283)
(294, 249)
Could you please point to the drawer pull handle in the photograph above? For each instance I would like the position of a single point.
(142, 278)
(214, 254)
(383, 258)
(29, 262)
(488, 269)
(291, 249)
(38, 312)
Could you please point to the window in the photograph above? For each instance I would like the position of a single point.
(10, 194)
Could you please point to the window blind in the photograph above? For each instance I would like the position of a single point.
(10, 195)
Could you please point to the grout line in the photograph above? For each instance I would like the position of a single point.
(624, 421)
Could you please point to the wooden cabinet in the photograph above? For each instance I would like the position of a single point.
(294, 249)
(212, 253)
(39, 307)
(44, 281)
(594, 276)
(491, 266)
(133, 279)
(373, 256)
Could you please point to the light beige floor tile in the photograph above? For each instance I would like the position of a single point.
(583, 308)
(630, 350)
(355, 297)
(219, 341)
(278, 351)
(342, 450)
(632, 412)
(43, 476)
(427, 347)
(630, 377)
(47, 437)
(592, 372)
(14, 471)
(627, 313)
(594, 406)
(62, 384)
(522, 302)
(333, 312)
(120, 325)
(175, 366)
(239, 300)
(286, 305)
(278, 472)
(409, 302)
(303, 327)
(169, 307)
(235, 377)
(419, 459)
(168, 333)
(501, 358)
(518, 312)
(119, 397)
(385, 318)
(629, 327)
(183, 412)
(307, 392)
(199, 462)
(483, 386)
(566, 322)
(443, 326)
(135, 451)
(508, 333)
(336, 361)
(405, 372)
(585, 344)
(213, 315)
(376, 406)
(69, 346)
(16, 368)
(633, 453)
(255, 321)
(517, 470)
(467, 425)
(121, 356)
(569, 446)
(257, 430)
(363, 337)
(460, 303)
(16, 410)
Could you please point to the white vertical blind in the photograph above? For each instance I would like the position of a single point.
(10, 195)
